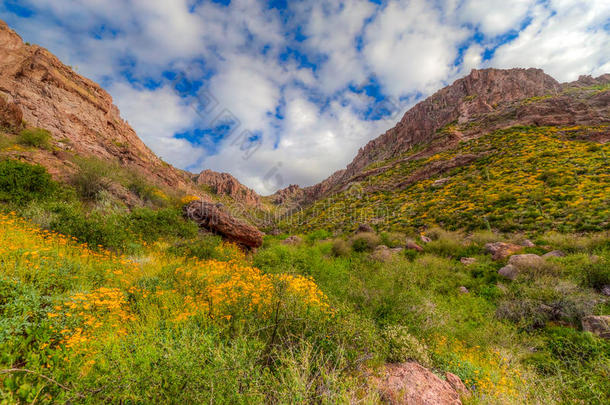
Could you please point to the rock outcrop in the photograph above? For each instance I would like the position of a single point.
(226, 184)
(412, 384)
(598, 325)
(39, 89)
(214, 219)
(502, 250)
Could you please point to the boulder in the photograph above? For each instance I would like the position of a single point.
(463, 290)
(457, 384)
(554, 253)
(292, 240)
(502, 250)
(467, 261)
(410, 383)
(382, 253)
(440, 182)
(413, 246)
(528, 243)
(509, 271)
(365, 228)
(598, 325)
(526, 261)
(606, 290)
(214, 219)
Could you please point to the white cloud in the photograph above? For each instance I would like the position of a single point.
(494, 17)
(410, 46)
(158, 115)
(566, 39)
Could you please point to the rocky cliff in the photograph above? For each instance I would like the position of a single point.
(483, 101)
(226, 184)
(38, 90)
(79, 114)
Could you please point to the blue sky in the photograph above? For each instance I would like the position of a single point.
(282, 92)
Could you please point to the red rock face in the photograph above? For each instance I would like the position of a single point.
(77, 111)
(412, 384)
(225, 184)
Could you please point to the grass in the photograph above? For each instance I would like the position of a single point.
(35, 137)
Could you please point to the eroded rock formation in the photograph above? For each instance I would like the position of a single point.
(215, 219)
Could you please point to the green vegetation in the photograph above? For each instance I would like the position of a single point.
(104, 303)
(21, 182)
(525, 178)
(35, 137)
(86, 211)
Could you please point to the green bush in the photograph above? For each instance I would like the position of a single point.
(596, 274)
(203, 248)
(366, 241)
(340, 248)
(392, 239)
(154, 224)
(402, 346)
(22, 182)
(95, 229)
(91, 178)
(35, 137)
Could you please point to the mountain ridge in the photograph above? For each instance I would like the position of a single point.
(38, 90)
(489, 91)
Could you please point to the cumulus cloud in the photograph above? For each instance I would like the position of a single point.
(411, 48)
(294, 77)
(565, 38)
(158, 115)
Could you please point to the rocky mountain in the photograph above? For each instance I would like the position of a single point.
(491, 98)
(226, 184)
(38, 91)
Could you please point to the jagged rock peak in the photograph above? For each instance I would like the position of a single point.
(226, 184)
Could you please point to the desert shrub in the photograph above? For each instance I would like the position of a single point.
(146, 191)
(22, 182)
(576, 243)
(365, 241)
(596, 274)
(154, 224)
(203, 248)
(578, 361)
(95, 229)
(531, 307)
(340, 248)
(35, 137)
(392, 239)
(91, 178)
(5, 141)
(318, 235)
(402, 346)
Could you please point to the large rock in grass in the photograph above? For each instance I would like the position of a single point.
(598, 325)
(502, 250)
(509, 271)
(214, 219)
(365, 228)
(410, 383)
(526, 261)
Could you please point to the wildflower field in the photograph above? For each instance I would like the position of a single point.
(72, 313)
(523, 178)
